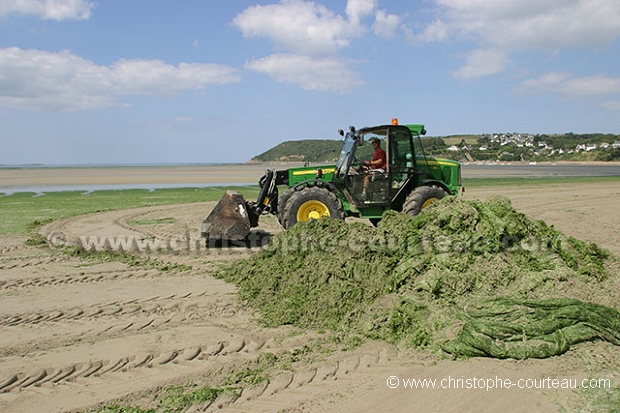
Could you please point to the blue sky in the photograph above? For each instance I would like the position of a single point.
(201, 81)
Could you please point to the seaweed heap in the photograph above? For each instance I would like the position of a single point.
(471, 278)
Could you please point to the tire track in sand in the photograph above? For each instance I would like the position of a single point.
(156, 305)
(180, 357)
(79, 278)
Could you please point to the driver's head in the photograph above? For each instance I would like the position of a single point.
(375, 142)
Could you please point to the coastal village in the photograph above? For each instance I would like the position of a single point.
(514, 146)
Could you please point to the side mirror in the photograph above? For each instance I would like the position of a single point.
(340, 132)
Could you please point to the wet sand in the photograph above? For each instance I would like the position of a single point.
(18, 178)
(121, 175)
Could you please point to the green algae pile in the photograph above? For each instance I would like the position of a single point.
(469, 278)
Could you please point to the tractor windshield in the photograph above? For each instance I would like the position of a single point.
(346, 154)
(369, 135)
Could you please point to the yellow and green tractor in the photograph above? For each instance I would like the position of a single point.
(409, 182)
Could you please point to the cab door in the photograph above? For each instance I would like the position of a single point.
(401, 158)
(371, 188)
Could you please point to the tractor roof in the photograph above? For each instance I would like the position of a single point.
(416, 129)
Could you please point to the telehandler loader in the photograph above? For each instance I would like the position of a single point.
(410, 182)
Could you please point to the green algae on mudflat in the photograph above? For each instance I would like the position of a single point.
(421, 281)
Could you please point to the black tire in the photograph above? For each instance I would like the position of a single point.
(422, 197)
(282, 201)
(311, 203)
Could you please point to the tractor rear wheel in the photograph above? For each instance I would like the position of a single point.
(421, 197)
(311, 203)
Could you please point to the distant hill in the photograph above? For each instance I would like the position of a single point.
(486, 147)
(311, 150)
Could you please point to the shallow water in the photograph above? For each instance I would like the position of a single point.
(538, 170)
(86, 189)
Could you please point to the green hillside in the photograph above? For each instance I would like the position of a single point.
(312, 150)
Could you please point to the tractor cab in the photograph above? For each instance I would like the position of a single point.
(366, 187)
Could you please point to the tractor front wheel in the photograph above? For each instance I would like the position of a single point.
(421, 197)
(282, 201)
(310, 203)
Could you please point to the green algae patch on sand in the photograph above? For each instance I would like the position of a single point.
(441, 280)
(520, 329)
(21, 210)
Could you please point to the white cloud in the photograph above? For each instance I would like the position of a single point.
(385, 24)
(611, 105)
(322, 74)
(307, 33)
(436, 31)
(156, 77)
(305, 27)
(598, 85)
(568, 86)
(48, 9)
(549, 82)
(522, 25)
(296, 25)
(358, 9)
(483, 62)
(534, 24)
(42, 80)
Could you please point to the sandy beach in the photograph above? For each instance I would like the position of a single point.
(76, 334)
(118, 175)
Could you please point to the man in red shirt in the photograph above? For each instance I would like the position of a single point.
(378, 162)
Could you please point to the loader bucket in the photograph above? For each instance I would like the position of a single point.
(229, 220)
